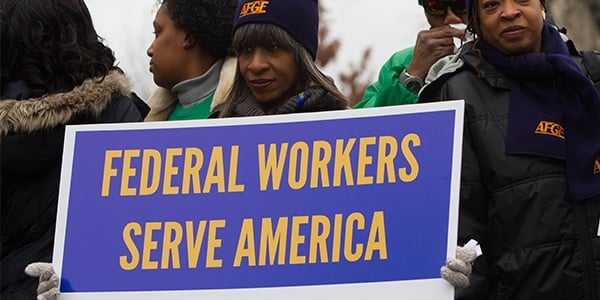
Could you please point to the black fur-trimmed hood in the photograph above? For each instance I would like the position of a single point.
(91, 97)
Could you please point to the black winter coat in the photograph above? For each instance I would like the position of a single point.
(31, 137)
(537, 243)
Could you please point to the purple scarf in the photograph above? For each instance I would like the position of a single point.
(554, 110)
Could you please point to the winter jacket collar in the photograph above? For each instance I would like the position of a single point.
(484, 69)
(163, 101)
(196, 90)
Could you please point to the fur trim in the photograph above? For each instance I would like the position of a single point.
(161, 102)
(49, 111)
(226, 78)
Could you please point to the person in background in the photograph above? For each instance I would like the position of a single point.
(276, 49)
(190, 58)
(530, 183)
(403, 75)
(55, 71)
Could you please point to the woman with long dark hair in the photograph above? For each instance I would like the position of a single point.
(55, 71)
(276, 52)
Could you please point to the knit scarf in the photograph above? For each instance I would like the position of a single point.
(554, 110)
(313, 99)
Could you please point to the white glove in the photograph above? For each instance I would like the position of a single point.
(457, 270)
(48, 286)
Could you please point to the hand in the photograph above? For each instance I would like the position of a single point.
(457, 270)
(48, 286)
(432, 45)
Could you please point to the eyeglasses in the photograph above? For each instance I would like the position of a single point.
(438, 7)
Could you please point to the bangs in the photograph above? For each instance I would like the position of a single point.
(262, 35)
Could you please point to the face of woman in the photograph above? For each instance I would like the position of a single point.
(270, 72)
(167, 53)
(512, 26)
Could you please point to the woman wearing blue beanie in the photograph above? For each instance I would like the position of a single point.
(276, 43)
(530, 183)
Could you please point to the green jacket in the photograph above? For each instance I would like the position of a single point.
(387, 90)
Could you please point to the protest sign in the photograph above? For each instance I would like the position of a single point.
(349, 204)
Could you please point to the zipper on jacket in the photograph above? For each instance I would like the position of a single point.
(589, 289)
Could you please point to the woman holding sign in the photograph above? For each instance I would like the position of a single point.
(530, 183)
(276, 44)
(55, 72)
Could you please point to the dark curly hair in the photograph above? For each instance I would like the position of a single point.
(51, 45)
(210, 22)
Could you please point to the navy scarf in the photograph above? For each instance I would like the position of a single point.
(554, 110)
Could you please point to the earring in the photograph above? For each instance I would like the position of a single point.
(186, 44)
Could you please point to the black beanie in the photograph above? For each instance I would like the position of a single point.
(299, 18)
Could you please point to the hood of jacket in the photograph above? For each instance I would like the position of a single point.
(32, 130)
(25, 116)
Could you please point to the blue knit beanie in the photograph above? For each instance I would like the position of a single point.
(299, 18)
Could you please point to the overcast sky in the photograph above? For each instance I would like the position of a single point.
(385, 25)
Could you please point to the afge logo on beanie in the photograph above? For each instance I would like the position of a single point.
(299, 18)
(597, 167)
(253, 8)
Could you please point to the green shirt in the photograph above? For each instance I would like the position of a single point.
(197, 111)
(388, 90)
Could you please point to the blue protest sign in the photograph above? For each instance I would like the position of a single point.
(321, 205)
